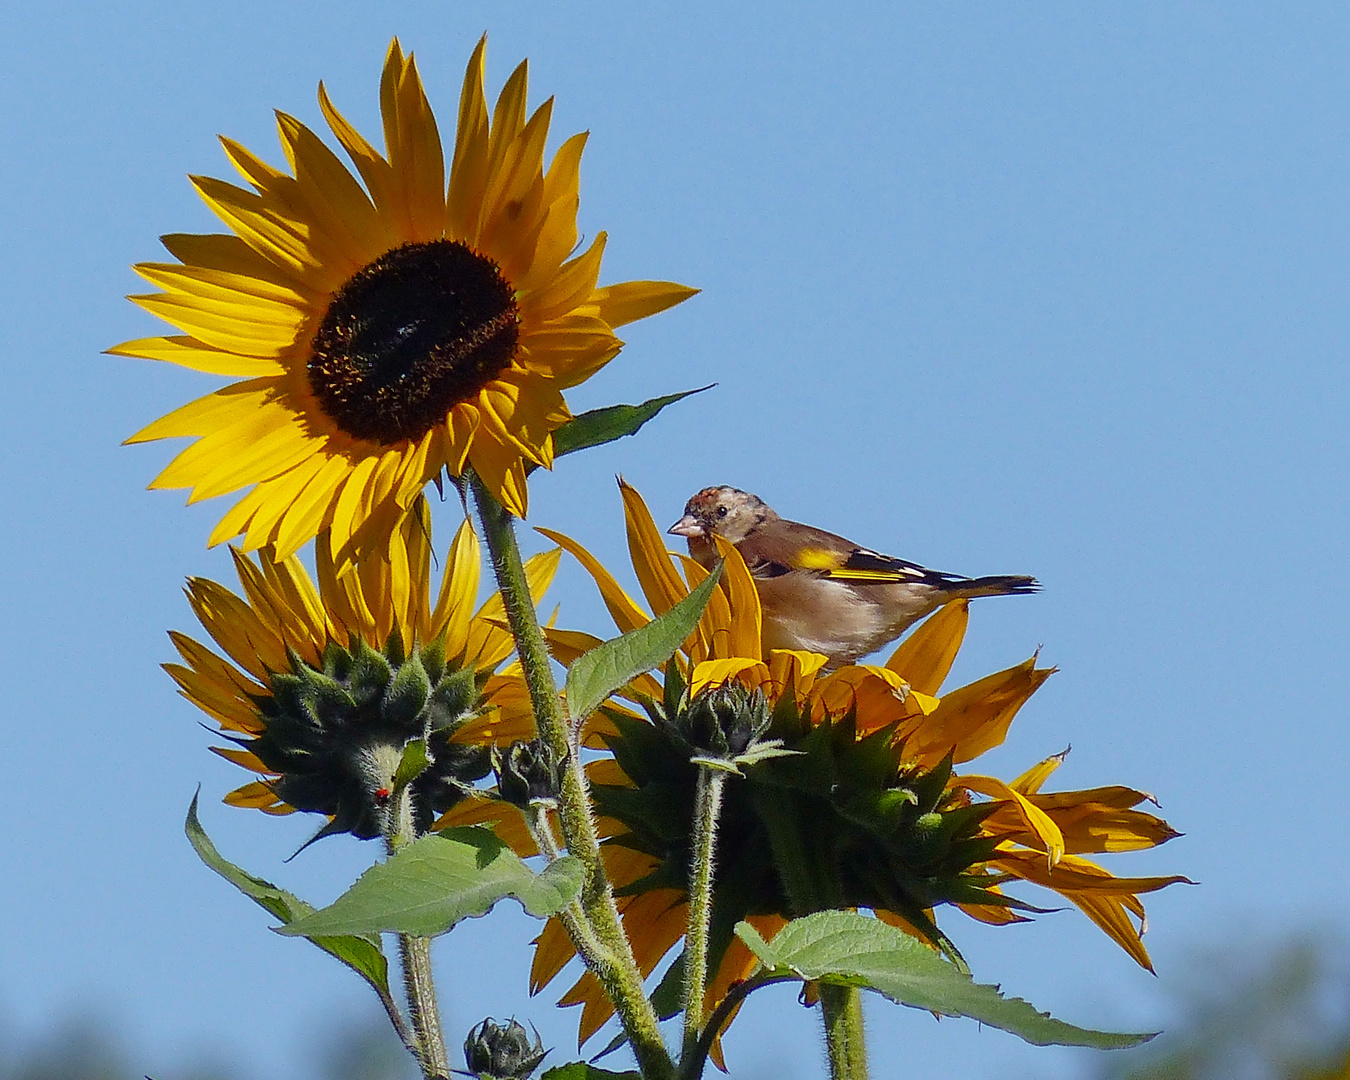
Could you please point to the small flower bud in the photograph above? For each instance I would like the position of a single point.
(502, 1052)
(528, 773)
(724, 721)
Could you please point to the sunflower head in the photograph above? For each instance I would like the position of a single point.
(423, 316)
(336, 735)
(828, 819)
(364, 699)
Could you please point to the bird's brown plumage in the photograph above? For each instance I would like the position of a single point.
(820, 591)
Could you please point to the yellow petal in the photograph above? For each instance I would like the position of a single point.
(661, 582)
(1030, 781)
(332, 195)
(226, 406)
(277, 302)
(374, 170)
(629, 301)
(1037, 820)
(626, 614)
(459, 591)
(743, 598)
(926, 656)
(227, 252)
(310, 510)
(975, 718)
(558, 236)
(569, 288)
(469, 166)
(195, 355)
(713, 673)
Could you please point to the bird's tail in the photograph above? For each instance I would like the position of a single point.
(997, 585)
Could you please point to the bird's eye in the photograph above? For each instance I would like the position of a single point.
(721, 511)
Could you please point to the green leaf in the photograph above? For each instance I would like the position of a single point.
(600, 426)
(580, 1070)
(428, 886)
(361, 954)
(612, 664)
(848, 949)
(411, 765)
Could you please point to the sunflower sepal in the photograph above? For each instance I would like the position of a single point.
(845, 948)
(412, 763)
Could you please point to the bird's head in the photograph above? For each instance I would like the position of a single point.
(725, 511)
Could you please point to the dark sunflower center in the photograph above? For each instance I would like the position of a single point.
(422, 328)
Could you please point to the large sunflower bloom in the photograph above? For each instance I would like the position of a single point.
(324, 687)
(384, 333)
(886, 740)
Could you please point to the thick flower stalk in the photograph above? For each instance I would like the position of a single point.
(386, 329)
(868, 811)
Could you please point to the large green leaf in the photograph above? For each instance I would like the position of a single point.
(612, 664)
(424, 889)
(362, 954)
(849, 949)
(579, 1070)
(600, 426)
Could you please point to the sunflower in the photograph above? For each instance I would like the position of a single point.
(869, 813)
(324, 688)
(386, 332)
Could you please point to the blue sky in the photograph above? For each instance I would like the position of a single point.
(1055, 289)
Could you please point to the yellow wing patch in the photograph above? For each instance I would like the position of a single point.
(819, 559)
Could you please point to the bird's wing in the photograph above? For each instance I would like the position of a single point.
(864, 565)
(783, 546)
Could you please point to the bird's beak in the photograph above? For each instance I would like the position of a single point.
(686, 526)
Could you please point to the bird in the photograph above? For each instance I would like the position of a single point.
(819, 592)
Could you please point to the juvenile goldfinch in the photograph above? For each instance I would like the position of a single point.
(819, 591)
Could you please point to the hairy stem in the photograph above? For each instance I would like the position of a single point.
(841, 1008)
(707, 806)
(415, 953)
(573, 917)
(618, 972)
(427, 1039)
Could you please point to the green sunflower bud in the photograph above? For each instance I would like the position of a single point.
(723, 722)
(502, 1052)
(529, 773)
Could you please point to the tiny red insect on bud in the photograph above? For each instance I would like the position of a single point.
(381, 794)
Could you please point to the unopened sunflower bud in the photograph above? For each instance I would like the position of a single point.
(724, 721)
(529, 773)
(502, 1052)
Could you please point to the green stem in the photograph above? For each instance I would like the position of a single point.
(707, 806)
(415, 953)
(841, 1008)
(427, 1037)
(573, 917)
(618, 972)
